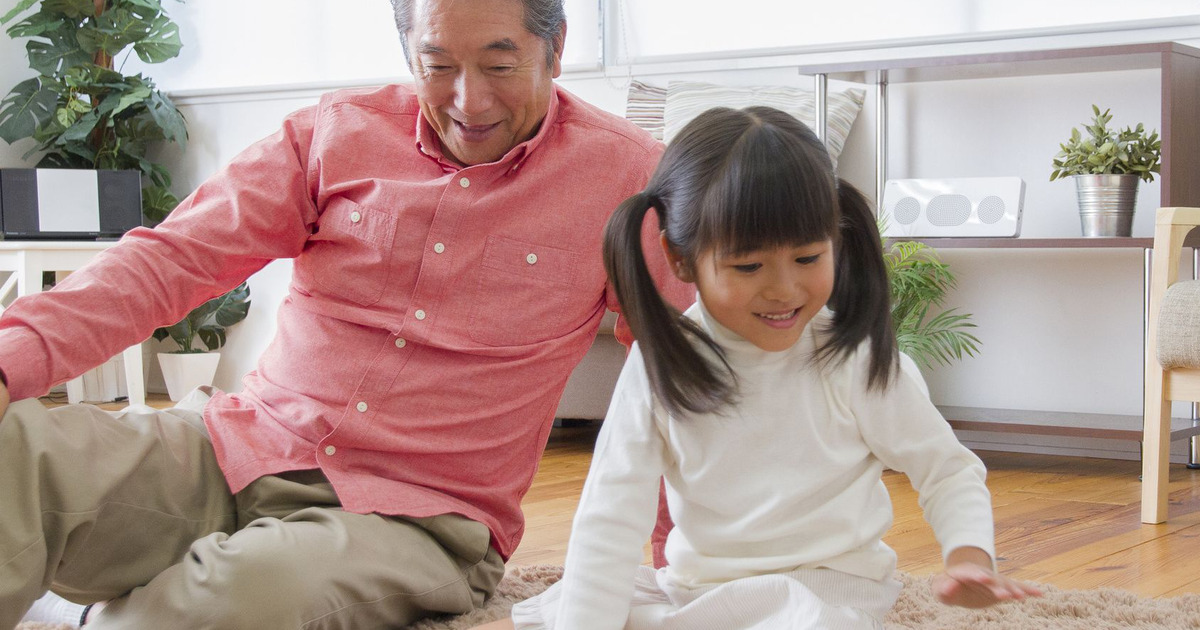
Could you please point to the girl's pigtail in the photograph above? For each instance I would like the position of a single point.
(861, 300)
(681, 378)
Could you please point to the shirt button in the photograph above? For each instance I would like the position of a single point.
(464, 182)
(355, 217)
(439, 248)
(361, 406)
(330, 450)
(531, 259)
(400, 342)
(419, 314)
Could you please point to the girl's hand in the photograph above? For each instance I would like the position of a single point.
(969, 581)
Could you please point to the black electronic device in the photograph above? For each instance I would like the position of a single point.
(68, 204)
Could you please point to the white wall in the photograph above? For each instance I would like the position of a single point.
(1060, 329)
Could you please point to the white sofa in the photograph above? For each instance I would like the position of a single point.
(591, 384)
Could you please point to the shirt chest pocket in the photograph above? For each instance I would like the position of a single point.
(350, 255)
(527, 293)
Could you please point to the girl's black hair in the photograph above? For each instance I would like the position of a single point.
(735, 181)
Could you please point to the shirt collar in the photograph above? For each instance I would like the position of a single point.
(428, 143)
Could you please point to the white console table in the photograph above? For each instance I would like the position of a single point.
(28, 260)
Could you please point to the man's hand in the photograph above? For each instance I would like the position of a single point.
(969, 581)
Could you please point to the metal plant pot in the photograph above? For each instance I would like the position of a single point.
(1106, 203)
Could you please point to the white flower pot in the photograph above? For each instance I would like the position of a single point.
(185, 372)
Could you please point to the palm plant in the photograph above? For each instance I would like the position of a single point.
(920, 281)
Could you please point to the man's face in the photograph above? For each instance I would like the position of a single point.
(482, 79)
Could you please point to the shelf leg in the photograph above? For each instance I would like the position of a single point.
(881, 133)
(1194, 442)
(821, 113)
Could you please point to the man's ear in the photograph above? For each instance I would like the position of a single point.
(679, 266)
(559, 42)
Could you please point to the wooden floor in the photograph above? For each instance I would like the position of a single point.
(1067, 521)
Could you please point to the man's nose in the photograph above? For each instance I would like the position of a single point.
(473, 93)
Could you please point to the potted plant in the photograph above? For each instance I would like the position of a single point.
(919, 282)
(1106, 165)
(189, 367)
(80, 109)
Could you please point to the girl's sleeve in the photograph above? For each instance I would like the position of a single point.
(906, 432)
(617, 509)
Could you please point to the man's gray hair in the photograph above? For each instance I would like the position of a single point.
(543, 18)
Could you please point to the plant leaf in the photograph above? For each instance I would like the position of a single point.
(17, 10)
(161, 42)
(173, 125)
(53, 57)
(28, 106)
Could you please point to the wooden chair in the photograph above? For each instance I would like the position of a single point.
(1172, 352)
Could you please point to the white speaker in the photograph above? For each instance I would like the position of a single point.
(966, 206)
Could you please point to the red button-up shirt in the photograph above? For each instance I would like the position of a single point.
(434, 314)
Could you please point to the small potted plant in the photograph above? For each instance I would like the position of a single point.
(190, 367)
(1106, 165)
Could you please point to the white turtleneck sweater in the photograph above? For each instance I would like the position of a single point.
(788, 478)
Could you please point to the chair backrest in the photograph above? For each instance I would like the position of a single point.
(1173, 336)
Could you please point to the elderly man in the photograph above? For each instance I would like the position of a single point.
(447, 277)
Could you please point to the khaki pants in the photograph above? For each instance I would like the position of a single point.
(131, 507)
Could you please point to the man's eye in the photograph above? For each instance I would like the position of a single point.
(503, 69)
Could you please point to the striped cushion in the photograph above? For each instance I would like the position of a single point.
(644, 107)
(687, 99)
(1179, 326)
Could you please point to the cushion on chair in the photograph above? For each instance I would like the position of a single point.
(1179, 326)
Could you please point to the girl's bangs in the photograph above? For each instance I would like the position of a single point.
(768, 195)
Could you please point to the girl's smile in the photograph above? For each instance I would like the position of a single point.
(767, 296)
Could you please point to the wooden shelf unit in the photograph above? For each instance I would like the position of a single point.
(1058, 423)
(1178, 65)
(1179, 69)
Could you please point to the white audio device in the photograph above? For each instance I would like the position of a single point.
(967, 206)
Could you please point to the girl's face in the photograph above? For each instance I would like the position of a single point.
(766, 296)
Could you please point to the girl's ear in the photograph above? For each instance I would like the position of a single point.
(679, 266)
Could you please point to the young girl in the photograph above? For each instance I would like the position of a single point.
(771, 407)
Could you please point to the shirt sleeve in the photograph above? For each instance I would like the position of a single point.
(258, 208)
(616, 510)
(907, 433)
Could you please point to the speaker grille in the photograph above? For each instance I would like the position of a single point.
(991, 209)
(907, 210)
(948, 210)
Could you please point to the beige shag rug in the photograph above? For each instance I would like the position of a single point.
(1101, 609)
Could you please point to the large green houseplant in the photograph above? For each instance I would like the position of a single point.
(80, 109)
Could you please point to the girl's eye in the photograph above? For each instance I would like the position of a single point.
(747, 268)
(808, 260)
